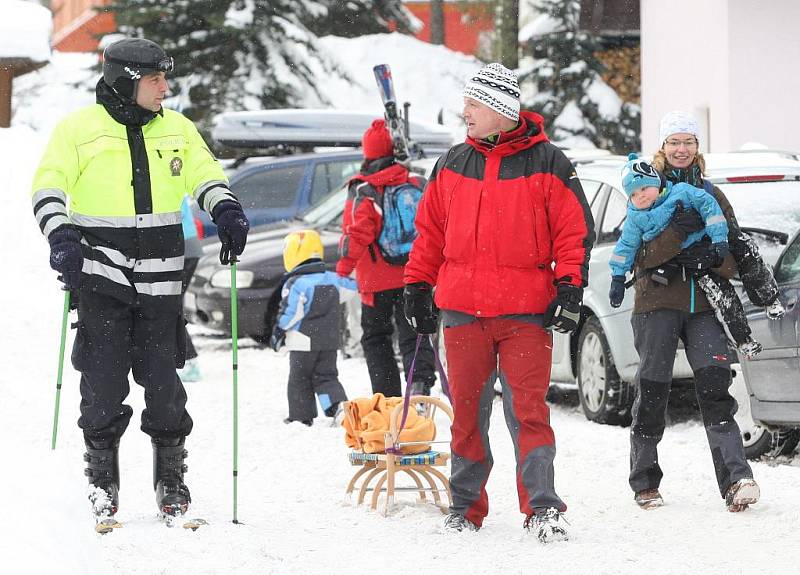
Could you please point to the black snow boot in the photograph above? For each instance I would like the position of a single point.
(102, 469)
(172, 495)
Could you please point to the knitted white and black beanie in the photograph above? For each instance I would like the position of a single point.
(495, 86)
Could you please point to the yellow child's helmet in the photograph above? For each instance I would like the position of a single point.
(300, 246)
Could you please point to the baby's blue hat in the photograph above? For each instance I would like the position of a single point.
(638, 174)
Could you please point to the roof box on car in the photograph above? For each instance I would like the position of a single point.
(309, 128)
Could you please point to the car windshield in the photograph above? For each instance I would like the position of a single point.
(327, 210)
(770, 205)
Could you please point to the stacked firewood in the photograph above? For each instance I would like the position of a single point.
(623, 71)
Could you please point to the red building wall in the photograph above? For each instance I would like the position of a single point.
(463, 22)
(77, 25)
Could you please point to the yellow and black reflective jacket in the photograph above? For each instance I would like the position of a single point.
(121, 186)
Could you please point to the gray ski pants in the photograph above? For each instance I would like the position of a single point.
(313, 372)
(656, 339)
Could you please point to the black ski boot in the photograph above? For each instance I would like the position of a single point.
(172, 495)
(102, 469)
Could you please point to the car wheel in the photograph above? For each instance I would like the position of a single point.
(604, 397)
(761, 442)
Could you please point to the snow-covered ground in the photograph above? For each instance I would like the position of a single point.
(292, 478)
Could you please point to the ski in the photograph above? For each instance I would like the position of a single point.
(106, 524)
(395, 124)
(178, 519)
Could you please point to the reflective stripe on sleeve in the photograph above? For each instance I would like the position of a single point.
(49, 193)
(48, 209)
(211, 193)
(53, 223)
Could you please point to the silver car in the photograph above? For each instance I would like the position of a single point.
(764, 189)
(773, 377)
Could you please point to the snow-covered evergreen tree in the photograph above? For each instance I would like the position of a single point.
(243, 54)
(351, 18)
(579, 108)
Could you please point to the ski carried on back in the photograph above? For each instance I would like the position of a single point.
(395, 124)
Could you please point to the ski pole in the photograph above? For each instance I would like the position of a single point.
(60, 366)
(235, 347)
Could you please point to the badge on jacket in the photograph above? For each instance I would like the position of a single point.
(175, 165)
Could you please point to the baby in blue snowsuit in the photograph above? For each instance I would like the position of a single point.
(653, 201)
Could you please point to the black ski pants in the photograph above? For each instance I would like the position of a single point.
(376, 323)
(656, 336)
(313, 372)
(115, 338)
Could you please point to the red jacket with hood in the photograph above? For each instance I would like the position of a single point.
(501, 224)
(361, 225)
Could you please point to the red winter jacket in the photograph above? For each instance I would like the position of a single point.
(361, 225)
(500, 224)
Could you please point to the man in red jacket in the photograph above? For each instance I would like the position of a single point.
(504, 234)
(380, 283)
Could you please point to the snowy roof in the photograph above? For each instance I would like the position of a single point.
(25, 29)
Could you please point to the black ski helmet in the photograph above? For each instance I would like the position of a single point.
(126, 61)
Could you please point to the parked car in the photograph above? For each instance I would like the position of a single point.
(276, 176)
(207, 299)
(273, 189)
(600, 357)
(771, 377)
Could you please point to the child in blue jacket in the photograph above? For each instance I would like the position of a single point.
(653, 201)
(308, 324)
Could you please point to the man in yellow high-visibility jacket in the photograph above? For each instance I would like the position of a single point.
(125, 164)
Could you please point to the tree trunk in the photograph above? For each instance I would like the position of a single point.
(6, 77)
(509, 33)
(437, 22)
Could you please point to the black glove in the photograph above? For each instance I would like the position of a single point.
(564, 311)
(232, 227)
(698, 258)
(617, 292)
(66, 256)
(686, 222)
(722, 251)
(419, 309)
(277, 339)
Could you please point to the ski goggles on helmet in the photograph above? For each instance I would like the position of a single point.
(166, 64)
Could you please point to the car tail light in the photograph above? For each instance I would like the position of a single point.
(749, 179)
(199, 227)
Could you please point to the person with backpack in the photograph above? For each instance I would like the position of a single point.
(377, 234)
(505, 234)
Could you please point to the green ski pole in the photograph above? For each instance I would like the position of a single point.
(235, 347)
(60, 366)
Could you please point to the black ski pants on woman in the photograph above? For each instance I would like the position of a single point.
(115, 338)
(376, 323)
(656, 336)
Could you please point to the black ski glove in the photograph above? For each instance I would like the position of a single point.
(698, 258)
(685, 222)
(278, 338)
(419, 309)
(232, 228)
(617, 292)
(66, 256)
(564, 311)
